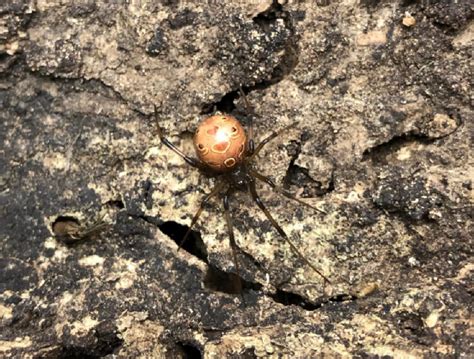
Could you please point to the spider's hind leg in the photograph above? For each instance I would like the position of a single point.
(258, 201)
(281, 190)
(233, 244)
(204, 201)
(250, 112)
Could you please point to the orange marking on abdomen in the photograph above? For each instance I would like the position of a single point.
(230, 162)
(221, 147)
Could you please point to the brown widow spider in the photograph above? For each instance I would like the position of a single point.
(224, 151)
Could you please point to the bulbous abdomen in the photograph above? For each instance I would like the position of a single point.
(220, 142)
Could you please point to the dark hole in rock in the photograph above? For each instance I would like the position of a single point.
(193, 244)
(225, 104)
(74, 352)
(230, 283)
(299, 177)
(108, 340)
(380, 154)
(269, 16)
(288, 298)
(221, 281)
(248, 353)
(158, 43)
(116, 204)
(188, 350)
(65, 225)
(69, 230)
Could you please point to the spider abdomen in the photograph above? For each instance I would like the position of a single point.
(220, 142)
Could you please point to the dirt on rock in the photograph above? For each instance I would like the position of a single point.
(92, 205)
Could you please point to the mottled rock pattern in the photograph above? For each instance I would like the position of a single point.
(92, 204)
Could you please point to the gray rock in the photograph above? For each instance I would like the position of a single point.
(92, 205)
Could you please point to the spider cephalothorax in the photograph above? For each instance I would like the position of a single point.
(227, 152)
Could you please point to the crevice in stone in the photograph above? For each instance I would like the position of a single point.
(188, 350)
(155, 221)
(115, 204)
(193, 245)
(106, 343)
(108, 339)
(379, 153)
(226, 282)
(290, 57)
(225, 104)
(288, 61)
(215, 279)
(268, 16)
(288, 298)
(74, 352)
(300, 177)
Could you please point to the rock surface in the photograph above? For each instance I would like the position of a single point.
(92, 204)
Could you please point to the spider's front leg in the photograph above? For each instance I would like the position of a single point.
(258, 201)
(270, 137)
(189, 160)
(251, 112)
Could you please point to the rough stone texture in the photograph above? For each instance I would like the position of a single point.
(92, 204)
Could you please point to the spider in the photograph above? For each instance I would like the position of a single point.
(226, 152)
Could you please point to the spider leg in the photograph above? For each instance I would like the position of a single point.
(281, 190)
(190, 160)
(204, 201)
(271, 137)
(249, 110)
(230, 230)
(258, 201)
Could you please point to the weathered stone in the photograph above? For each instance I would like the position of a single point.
(92, 204)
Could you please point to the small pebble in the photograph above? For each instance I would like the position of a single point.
(409, 21)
